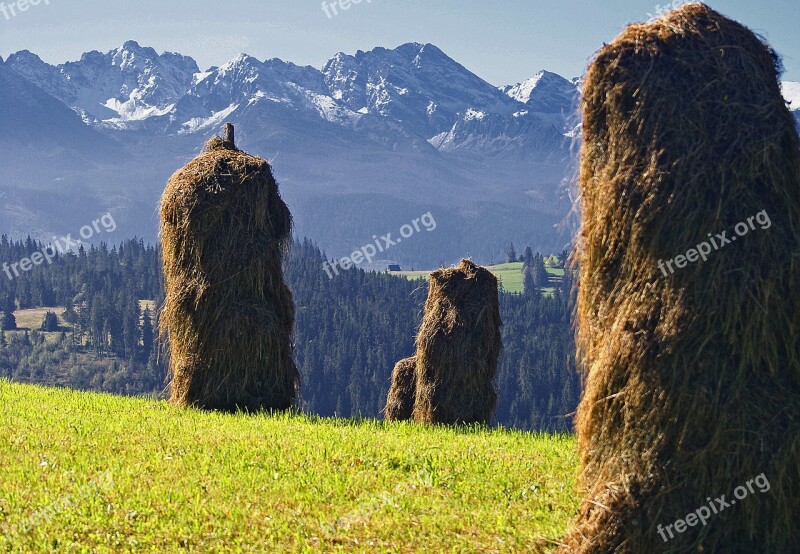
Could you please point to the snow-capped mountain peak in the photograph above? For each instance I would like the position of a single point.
(416, 84)
(414, 90)
(130, 83)
(545, 93)
(522, 92)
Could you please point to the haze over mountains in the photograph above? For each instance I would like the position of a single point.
(362, 146)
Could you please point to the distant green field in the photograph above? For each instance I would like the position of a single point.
(32, 319)
(510, 275)
(85, 472)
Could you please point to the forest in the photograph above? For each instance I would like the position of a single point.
(100, 332)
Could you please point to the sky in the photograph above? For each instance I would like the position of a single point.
(502, 41)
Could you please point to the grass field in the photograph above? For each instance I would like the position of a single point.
(32, 319)
(510, 275)
(84, 472)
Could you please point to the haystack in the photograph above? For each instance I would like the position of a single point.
(693, 376)
(458, 346)
(228, 314)
(403, 391)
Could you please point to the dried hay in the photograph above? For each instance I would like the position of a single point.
(402, 393)
(228, 314)
(458, 346)
(693, 379)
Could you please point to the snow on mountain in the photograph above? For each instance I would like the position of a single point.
(364, 144)
(545, 92)
(245, 83)
(414, 93)
(530, 136)
(130, 83)
(416, 84)
(32, 119)
(549, 96)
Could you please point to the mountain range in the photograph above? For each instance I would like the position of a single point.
(362, 146)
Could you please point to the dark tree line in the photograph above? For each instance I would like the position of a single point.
(107, 340)
(350, 331)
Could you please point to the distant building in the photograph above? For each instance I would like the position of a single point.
(394, 267)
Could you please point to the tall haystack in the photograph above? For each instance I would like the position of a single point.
(403, 391)
(458, 346)
(228, 314)
(692, 375)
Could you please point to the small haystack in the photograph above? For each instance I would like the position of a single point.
(228, 315)
(403, 392)
(693, 376)
(458, 346)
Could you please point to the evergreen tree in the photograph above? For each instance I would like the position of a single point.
(540, 276)
(527, 257)
(130, 332)
(147, 331)
(350, 331)
(529, 284)
(50, 322)
(511, 253)
(8, 321)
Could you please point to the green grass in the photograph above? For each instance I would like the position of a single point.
(510, 275)
(136, 475)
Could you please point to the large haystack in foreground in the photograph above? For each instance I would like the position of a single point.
(228, 314)
(403, 391)
(693, 375)
(458, 346)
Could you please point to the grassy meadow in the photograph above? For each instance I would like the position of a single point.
(85, 472)
(510, 276)
(31, 319)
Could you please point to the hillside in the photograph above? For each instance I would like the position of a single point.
(92, 472)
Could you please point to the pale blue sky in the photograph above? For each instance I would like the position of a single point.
(503, 41)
